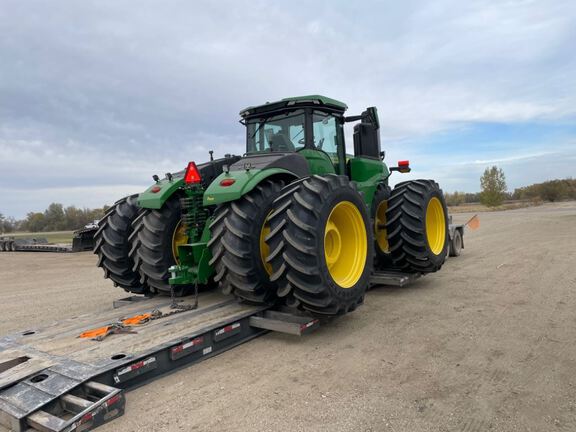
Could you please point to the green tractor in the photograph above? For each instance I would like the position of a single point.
(294, 221)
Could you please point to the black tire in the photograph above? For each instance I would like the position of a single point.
(1, 246)
(235, 244)
(456, 244)
(297, 243)
(112, 245)
(382, 257)
(410, 243)
(152, 243)
(13, 247)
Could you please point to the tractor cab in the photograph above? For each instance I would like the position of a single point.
(312, 125)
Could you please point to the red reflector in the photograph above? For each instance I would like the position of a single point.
(86, 418)
(227, 182)
(192, 174)
(403, 163)
(113, 400)
(155, 189)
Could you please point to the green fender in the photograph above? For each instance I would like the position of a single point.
(244, 182)
(164, 189)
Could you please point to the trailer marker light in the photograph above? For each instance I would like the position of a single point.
(112, 400)
(192, 174)
(227, 182)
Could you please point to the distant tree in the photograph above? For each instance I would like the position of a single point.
(54, 216)
(7, 224)
(455, 198)
(34, 222)
(493, 184)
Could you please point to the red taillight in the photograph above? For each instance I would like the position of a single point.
(113, 400)
(155, 189)
(227, 182)
(192, 174)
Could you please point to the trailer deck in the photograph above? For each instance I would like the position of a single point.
(51, 380)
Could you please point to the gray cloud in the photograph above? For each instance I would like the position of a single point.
(102, 94)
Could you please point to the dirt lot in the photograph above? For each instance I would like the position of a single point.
(487, 344)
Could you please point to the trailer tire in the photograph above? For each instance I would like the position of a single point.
(321, 246)
(417, 224)
(238, 247)
(456, 244)
(112, 245)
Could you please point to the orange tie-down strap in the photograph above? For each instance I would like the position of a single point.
(104, 331)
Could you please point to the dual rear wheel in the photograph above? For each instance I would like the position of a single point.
(314, 245)
(308, 245)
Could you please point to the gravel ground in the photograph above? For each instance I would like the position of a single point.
(487, 344)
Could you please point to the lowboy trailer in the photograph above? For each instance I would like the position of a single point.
(53, 381)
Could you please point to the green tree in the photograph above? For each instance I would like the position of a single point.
(54, 216)
(34, 222)
(493, 184)
(455, 199)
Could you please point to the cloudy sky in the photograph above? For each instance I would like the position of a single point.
(96, 96)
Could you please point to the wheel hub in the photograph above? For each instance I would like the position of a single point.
(332, 243)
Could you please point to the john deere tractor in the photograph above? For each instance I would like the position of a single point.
(293, 221)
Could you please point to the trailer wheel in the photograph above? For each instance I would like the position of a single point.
(112, 245)
(238, 244)
(321, 245)
(13, 247)
(456, 244)
(417, 224)
(1, 246)
(157, 234)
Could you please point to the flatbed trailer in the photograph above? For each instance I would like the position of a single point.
(51, 380)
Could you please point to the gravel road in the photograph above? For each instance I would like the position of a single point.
(486, 344)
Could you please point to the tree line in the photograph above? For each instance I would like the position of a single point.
(494, 191)
(54, 218)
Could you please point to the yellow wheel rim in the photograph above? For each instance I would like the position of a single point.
(435, 226)
(345, 244)
(179, 237)
(264, 248)
(380, 228)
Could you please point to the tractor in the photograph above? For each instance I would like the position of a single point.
(295, 221)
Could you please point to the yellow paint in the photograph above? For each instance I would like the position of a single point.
(435, 226)
(264, 248)
(380, 233)
(345, 244)
(179, 237)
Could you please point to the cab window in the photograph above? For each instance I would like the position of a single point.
(325, 134)
(279, 133)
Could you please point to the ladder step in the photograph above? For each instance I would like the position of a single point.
(45, 422)
(75, 404)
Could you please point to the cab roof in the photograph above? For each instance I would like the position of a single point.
(310, 100)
